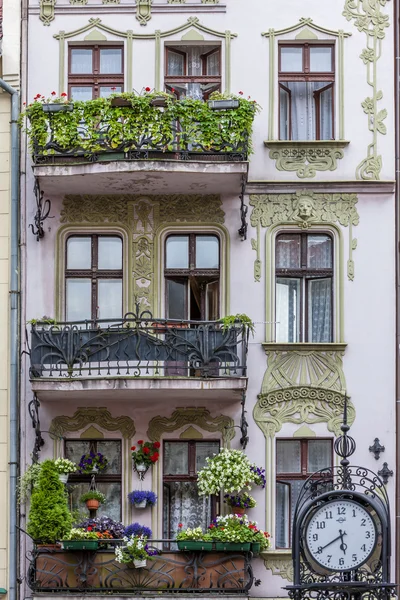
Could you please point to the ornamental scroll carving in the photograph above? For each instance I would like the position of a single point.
(89, 416)
(306, 159)
(142, 216)
(302, 386)
(282, 566)
(303, 209)
(192, 416)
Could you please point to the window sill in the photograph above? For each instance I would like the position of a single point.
(306, 346)
(306, 157)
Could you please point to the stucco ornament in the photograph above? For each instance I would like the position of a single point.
(143, 11)
(192, 416)
(282, 566)
(369, 18)
(304, 209)
(142, 216)
(46, 14)
(306, 159)
(88, 416)
(302, 386)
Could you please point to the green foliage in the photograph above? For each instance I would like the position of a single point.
(195, 534)
(93, 495)
(125, 126)
(81, 534)
(49, 518)
(27, 482)
(232, 320)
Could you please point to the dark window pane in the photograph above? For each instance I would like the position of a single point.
(287, 512)
(319, 455)
(112, 491)
(110, 60)
(112, 452)
(207, 252)
(177, 296)
(176, 458)
(182, 504)
(204, 449)
(288, 251)
(319, 252)
(177, 251)
(320, 59)
(282, 516)
(81, 60)
(74, 450)
(288, 456)
(291, 59)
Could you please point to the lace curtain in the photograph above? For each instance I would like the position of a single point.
(299, 109)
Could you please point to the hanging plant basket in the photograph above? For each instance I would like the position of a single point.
(92, 504)
(63, 477)
(142, 504)
(139, 564)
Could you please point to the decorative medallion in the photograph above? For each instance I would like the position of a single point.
(143, 11)
(46, 14)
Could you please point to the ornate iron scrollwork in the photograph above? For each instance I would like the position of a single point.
(33, 409)
(244, 424)
(385, 473)
(243, 212)
(43, 208)
(376, 448)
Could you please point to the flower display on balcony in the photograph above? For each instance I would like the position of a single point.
(142, 498)
(79, 533)
(231, 471)
(136, 529)
(236, 529)
(240, 501)
(92, 462)
(135, 548)
(104, 526)
(145, 453)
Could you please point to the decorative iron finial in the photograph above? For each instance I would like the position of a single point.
(345, 446)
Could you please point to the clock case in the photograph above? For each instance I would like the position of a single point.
(344, 482)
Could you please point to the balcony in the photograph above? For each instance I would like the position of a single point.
(135, 355)
(58, 572)
(145, 144)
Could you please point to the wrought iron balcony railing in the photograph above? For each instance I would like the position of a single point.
(58, 571)
(139, 347)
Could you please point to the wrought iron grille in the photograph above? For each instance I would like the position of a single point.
(138, 347)
(60, 571)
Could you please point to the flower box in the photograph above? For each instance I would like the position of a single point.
(255, 547)
(120, 102)
(232, 546)
(57, 107)
(223, 104)
(80, 544)
(195, 545)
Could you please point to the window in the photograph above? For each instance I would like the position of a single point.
(193, 71)
(296, 460)
(303, 297)
(93, 277)
(109, 482)
(95, 71)
(306, 92)
(182, 504)
(192, 277)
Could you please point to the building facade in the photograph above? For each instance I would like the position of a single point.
(137, 248)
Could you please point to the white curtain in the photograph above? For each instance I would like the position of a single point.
(303, 110)
(319, 310)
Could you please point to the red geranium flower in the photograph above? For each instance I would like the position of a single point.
(54, 93)
(89, 528)
(146, 450)
(133, 448)
(113, 88)
(156, 444)
(241, 93)
(63, 95)
(155, 457)
(140, 442)
(180, 525)
(147, 89)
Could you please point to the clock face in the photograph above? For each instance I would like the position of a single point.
(341, 535)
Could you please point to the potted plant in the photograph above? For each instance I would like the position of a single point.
(231, 532)
(240, 502)
(194, 539)
(142, 498)
(145, 455)
(49, 519)
(136, 552)
(104, 527)
(27, 482)
(136, 529)
(260, 539)
(64, 468)
(81, 539)
(92, 462)
(238, 319)
(93, 499)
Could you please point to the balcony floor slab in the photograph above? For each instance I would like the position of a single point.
(142, 177)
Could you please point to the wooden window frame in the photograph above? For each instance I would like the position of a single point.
(203, 78)
(303, 475)
(307, 76)
(94, 273)
(95, 79)
(306, 274)
(192, 270)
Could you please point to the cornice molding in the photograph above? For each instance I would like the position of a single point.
(305, 22)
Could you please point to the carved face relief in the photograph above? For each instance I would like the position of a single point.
(305, 207)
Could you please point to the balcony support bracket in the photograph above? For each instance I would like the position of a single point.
(43, 208)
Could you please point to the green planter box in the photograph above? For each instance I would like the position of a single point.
(232, 546)
(80, 544)
(194, 545)
(255, 548)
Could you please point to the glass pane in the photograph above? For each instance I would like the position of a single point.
(291, 59)
(112, 491)
(177, 296)
(207, 252)
(112, 452)
(284, 114)
(109, 298)
(213, 64)
(282, 515)
(304, 96)
(81, 93)
(198, 91)
(182, 504)
(288, 456)
(79, 253)
(212, 301)
(320, 60)
(326, 110)
(204, 449)
(74, 450)
(79, 299)
(295, 488)
(194, 61)
(110, 60)
(106, 91)
(320, 310)
(81, 60)
(288, 251)
(319, 455)
(319, 252)
(287, 310)
(177, 250)
(110, 253)
(176, 458)
(176, 63)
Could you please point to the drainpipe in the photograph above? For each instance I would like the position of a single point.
(397, 251)
(14, 337)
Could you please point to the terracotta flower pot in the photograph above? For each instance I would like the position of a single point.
(238, 510)
(92, 504)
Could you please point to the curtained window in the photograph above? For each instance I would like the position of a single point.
(95, 71)
(306, 92)
(296, 460)
(304, 290)
(193, 71)
(181, 501)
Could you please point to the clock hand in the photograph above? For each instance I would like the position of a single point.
(320, 548)
(343, 546)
